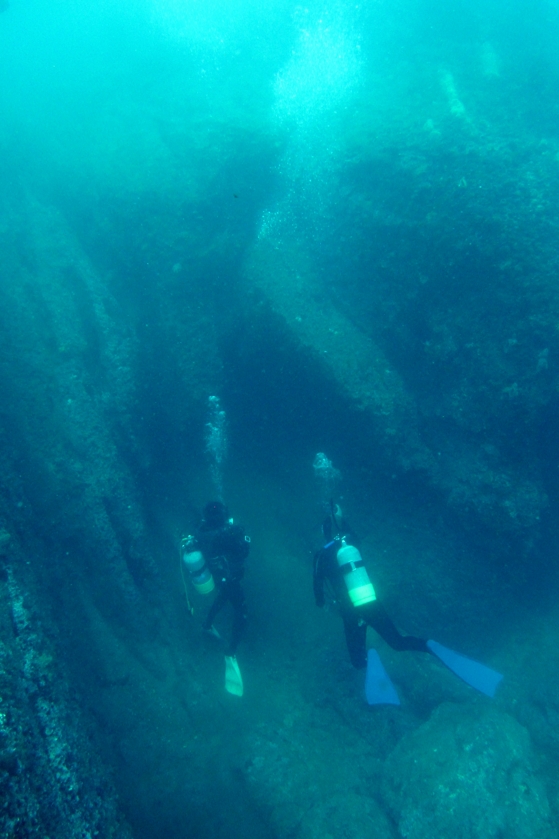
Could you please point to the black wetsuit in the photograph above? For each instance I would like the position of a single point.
(356, 618)
(225, 550)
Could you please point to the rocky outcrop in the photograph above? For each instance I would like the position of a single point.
(53, 781)
(74, 551)
(467, 772)
(448, 353)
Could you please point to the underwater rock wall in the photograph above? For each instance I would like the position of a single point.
(52, 779)
(77, 564)
(60, 476)
(450, 352)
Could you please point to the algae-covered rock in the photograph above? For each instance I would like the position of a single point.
(466, 773)
(314, 787)
(349, 815)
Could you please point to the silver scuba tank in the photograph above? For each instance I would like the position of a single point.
(196, 565)
(359, 586)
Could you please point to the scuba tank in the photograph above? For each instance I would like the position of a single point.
(359, 586)
(196, 565)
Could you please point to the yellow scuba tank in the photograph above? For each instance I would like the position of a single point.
(359, 586)
(196, 565)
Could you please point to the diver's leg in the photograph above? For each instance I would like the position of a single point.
(218, 604)
(376, 616)
(355, 637)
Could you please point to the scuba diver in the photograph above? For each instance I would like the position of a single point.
(339, 565)
(214, 558)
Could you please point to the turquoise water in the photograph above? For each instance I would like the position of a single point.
(340, 220)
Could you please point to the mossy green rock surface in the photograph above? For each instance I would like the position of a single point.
(466, 773)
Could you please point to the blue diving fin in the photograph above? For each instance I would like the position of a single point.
(479, 676)
(379, 690)
(233, 678)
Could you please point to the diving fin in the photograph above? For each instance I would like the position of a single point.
(379, 690)
(479, 676)
(233, 678)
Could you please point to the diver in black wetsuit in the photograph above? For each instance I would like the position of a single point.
(340, 565)
(225, 548)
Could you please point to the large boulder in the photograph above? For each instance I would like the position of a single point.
(466, 773)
